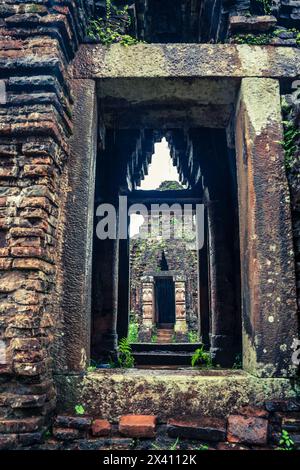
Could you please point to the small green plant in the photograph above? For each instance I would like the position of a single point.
(201, 358)
(92, 367)
(133, 330)
(79, 410)
(47, 434)
(193, 336)
(238, 364)
(174, 446)
(113, 27)
(203, 447)
(154, 338)
(286, 442)
(125, 358)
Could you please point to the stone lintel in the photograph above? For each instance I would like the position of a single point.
(186, 60)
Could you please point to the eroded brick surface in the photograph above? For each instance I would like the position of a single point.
(138, 426)
(247, 430)
(101, 427)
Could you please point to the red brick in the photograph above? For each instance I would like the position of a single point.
(27, 251)
(36, 170)
(4, 252)
(33, 263)
(247, 430)
(254, 412)
(27, 369)
(9, 172)
(138, 425)
(101, 428)
(5, 263)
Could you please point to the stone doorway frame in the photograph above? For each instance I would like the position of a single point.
(269, 325)
(148, 300)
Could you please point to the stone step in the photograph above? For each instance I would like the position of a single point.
(172, 347)
(291, 421)
(296, 439)
(163, 358)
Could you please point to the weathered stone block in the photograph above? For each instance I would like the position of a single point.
(22, 425)
(27, 401)
(252, 23)
(200, 60)
(207, 429)
(247, 430)
(64, 434)
(31, 438)
(138, 426)
(283, 405)
(291, 421)
(74, 422)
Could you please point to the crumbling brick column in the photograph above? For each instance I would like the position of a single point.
(37, 39)
(267, 256)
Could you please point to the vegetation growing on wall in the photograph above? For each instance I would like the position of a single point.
(170, 185)
(133, 330)
(113, 27)
(291, 137)
(201, 358)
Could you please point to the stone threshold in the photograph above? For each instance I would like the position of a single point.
(168, 393)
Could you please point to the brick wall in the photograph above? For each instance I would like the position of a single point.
(37, 41)
(249, 429)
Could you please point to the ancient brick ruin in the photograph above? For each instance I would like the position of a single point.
(78, 123)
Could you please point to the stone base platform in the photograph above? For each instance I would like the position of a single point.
(169, 393)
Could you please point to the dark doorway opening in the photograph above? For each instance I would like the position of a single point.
(165, 302)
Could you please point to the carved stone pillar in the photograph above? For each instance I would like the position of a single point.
(180, 306)
(147, 302)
